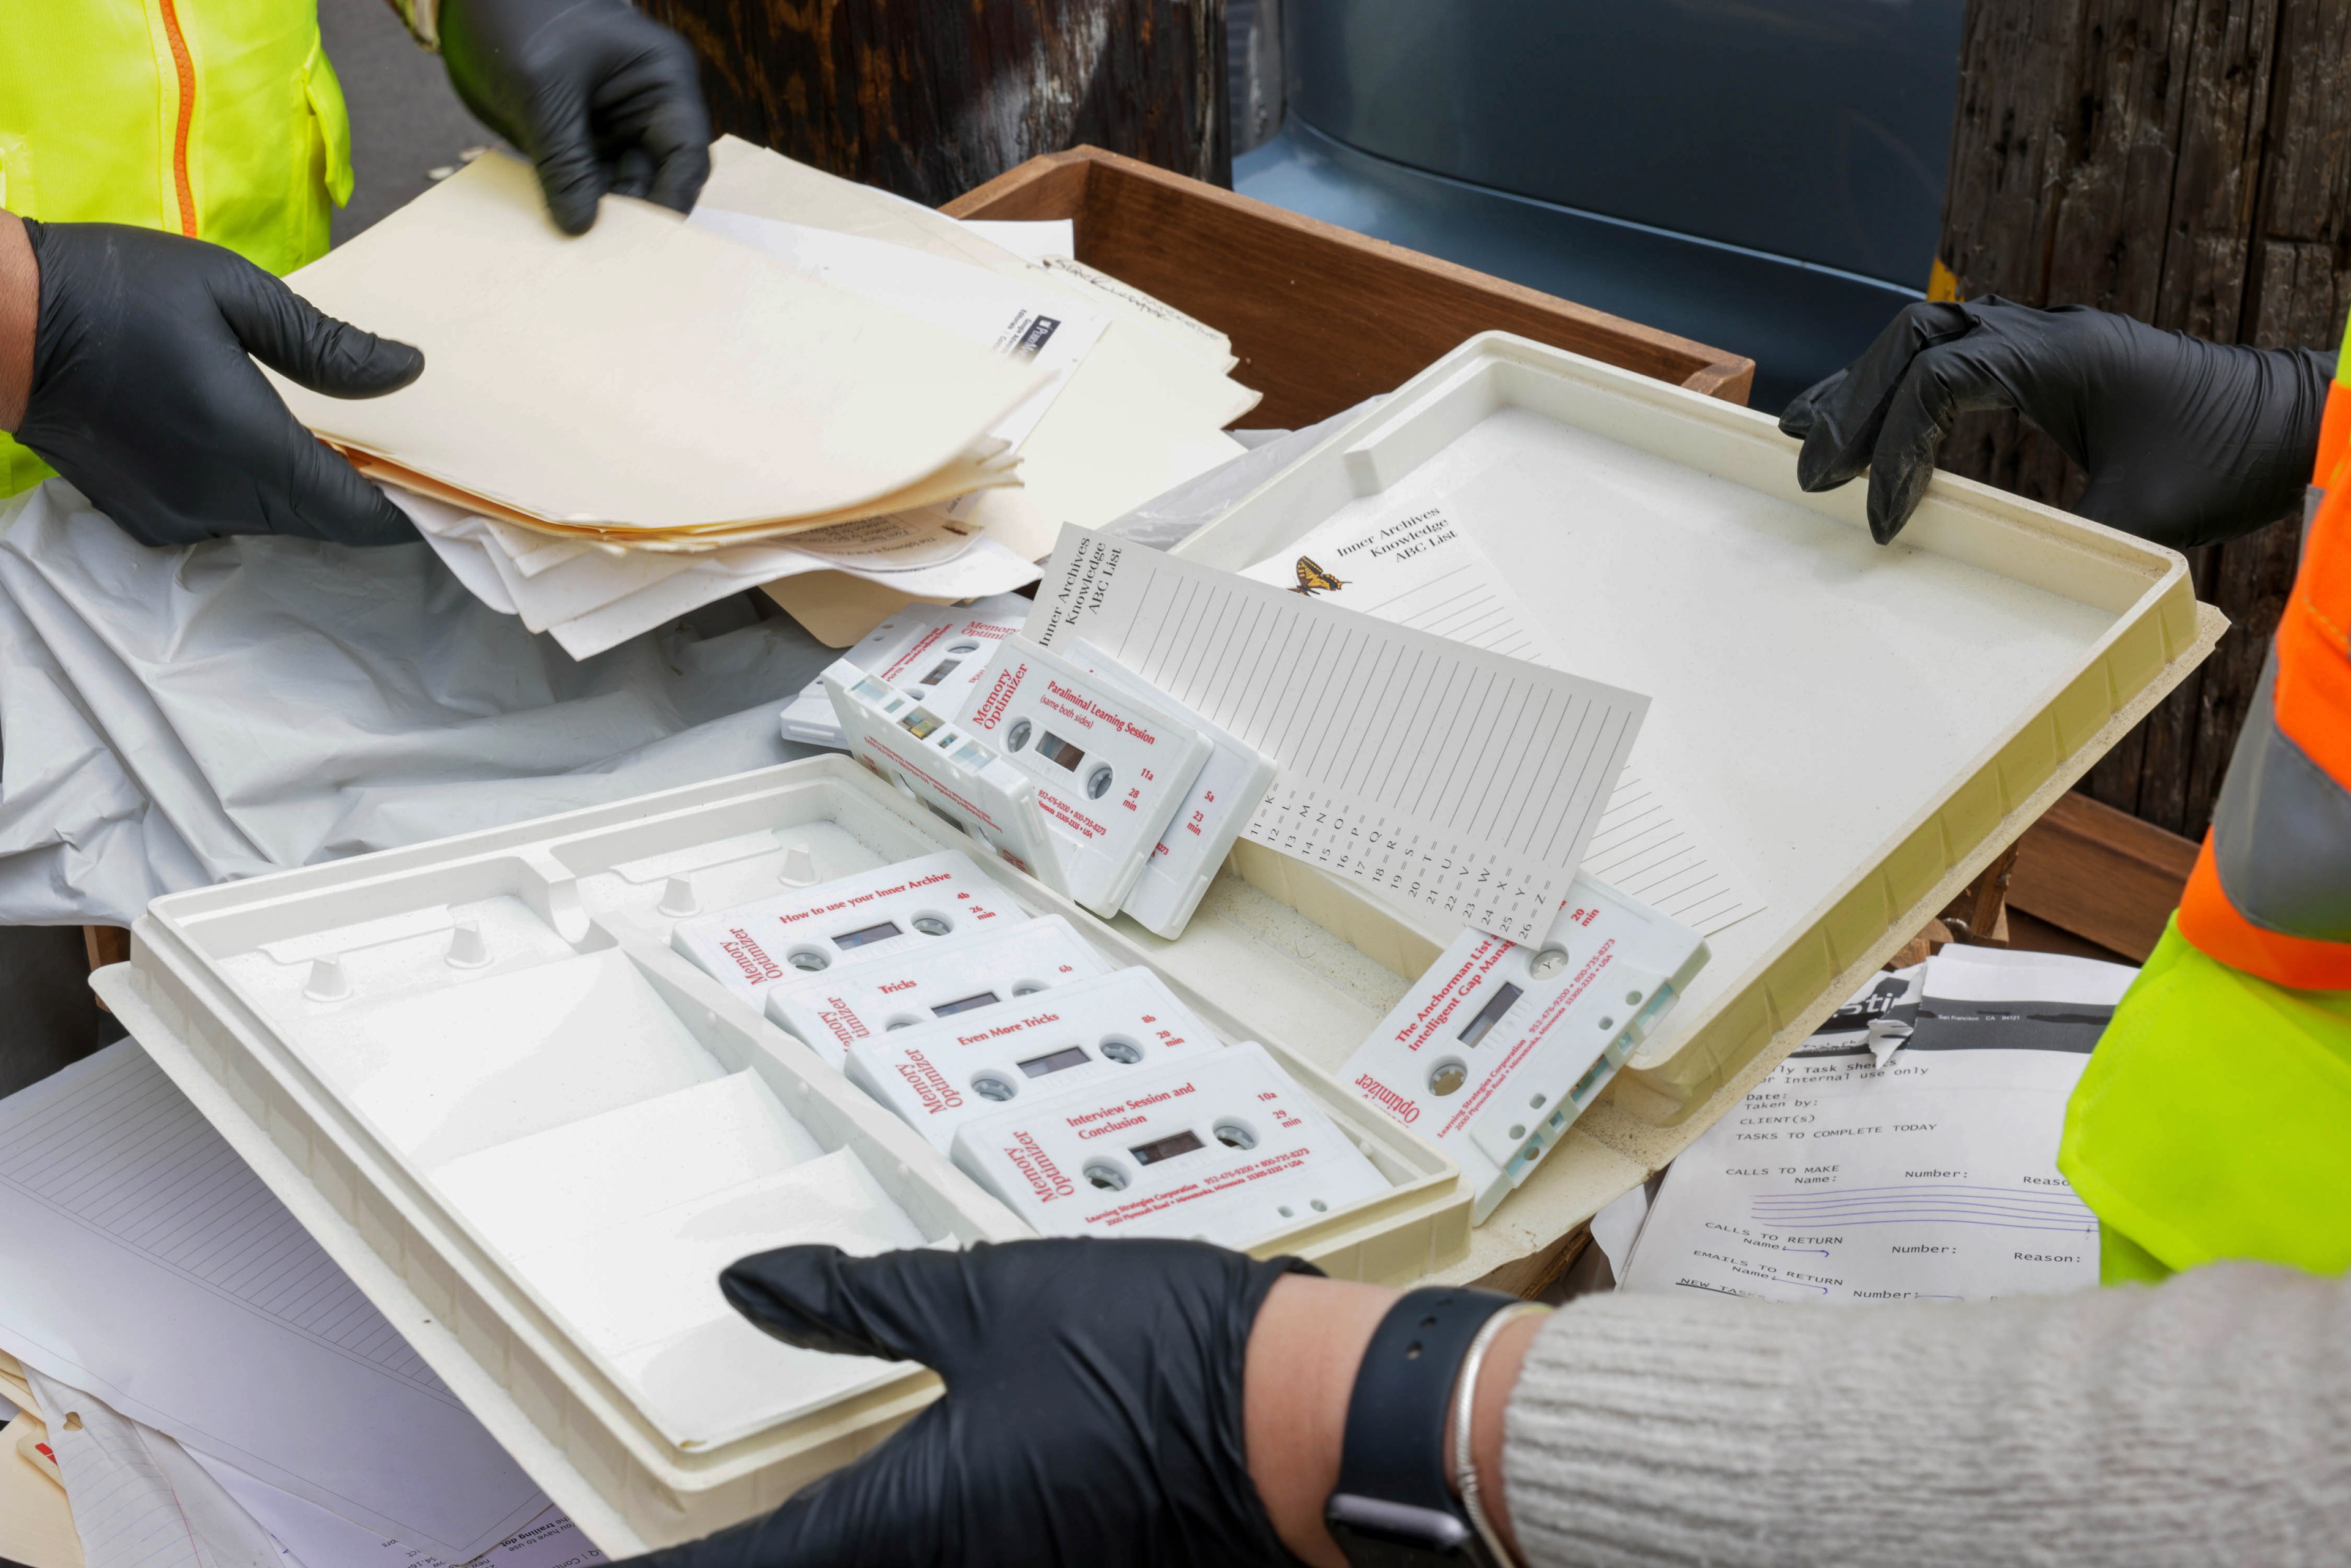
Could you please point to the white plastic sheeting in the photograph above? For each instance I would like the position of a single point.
(173, 717)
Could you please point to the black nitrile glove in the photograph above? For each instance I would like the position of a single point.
(1092, 1414)
(600, 98)
(2185, 442)
(144, 397)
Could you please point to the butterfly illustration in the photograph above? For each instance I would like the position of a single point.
(1312, 580)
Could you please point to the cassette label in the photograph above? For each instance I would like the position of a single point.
(1196, 839)
(991, 967)
(1223, 1145)
(1499, 1046)
(810, 929)
(1109, 1029)
(960, 780)
(1108, 764)
(933, 653)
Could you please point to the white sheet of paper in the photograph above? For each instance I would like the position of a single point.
(997, 313)
(1934, 1176)
(1032, 239)
(1456, 778)
(318, 1539)
(1417, 569)
(142, 1261)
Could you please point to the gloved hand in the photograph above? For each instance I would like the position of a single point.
(142, 394)
(1092, 1414)
(600, 98)
(2185, 442)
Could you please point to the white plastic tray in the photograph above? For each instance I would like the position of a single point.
(1863, 727)
(215, 991)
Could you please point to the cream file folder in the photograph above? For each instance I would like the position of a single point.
(645, 381)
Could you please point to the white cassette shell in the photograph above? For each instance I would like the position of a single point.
(1225, 1146)
(1110, 766)
(1497, 1050)
(1105, 1030)
(933, 653)
(961, 977)
(960, 780)
(1199, 833)
(808, 930)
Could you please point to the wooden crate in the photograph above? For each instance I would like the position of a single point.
(1320, 316)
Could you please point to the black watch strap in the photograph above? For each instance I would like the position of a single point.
(1394, 1506)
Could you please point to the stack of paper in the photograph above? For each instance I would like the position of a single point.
(648, 383)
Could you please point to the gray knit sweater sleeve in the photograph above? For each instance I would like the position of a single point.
(2208, 1420)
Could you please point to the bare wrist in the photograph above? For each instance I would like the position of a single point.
(20, 312)
(1303, 1353)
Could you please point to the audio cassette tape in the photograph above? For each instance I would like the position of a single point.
(1497, 1048)
(961, 779)
(939, 1075)
(1194, 841)
(933, 653)
(808, 930)
(1225, 1146)
(956, 977)
(1109, 765)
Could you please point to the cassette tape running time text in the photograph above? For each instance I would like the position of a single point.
(960, 978)
(1110, 765)
(1223, 1145)
(891, 908)
(1499, 1046)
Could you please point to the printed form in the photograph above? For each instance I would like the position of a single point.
(1933, 1175)
(1419, 569)
(1463, 781)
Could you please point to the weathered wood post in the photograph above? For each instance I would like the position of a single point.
(929, 98)
(2187, 163)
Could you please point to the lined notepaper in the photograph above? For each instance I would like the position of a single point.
(146, 1264)
(1419, 568)
(1455, 778)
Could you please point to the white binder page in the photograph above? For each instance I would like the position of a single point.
(1932, 1174)
(1415, 568)
(1459, 780)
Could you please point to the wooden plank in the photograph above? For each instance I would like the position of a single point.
(2187, 162)
(2103, 875)
(1320, 316)
(929, 100)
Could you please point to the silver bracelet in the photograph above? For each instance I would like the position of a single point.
(1465, 1407)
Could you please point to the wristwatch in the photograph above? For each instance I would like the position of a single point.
(1395, 1506)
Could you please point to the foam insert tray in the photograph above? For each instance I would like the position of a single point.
(534, 1134)
(1863, 727)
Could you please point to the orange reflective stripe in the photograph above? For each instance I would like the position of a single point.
(185, 65)
(2314, 644)
(2209, 920)
(2334, 433)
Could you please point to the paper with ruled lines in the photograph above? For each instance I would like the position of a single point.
(1442, 775)
(1415, 567)
(142, 1261)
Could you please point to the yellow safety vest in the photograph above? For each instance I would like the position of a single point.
(2214, 1119)
(220, 119)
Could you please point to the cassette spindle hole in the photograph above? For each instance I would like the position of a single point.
(1235, 1135)
(902, 1021)
(1106, 1175)
(1017, 736)
(1517, 1130)
(1632, 998)
(806, 958)
(1026, 988)
(990, 1086)
(1097, 782)
(933, 924)
(1537, 1102)
(1550, 961)
(1447, 1076)
(1124, 1051)
(1607, 1022)
(1318, 1205)
(1287, 1212)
